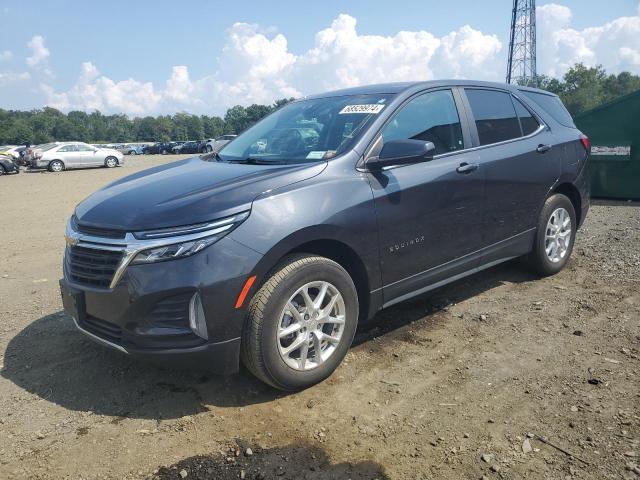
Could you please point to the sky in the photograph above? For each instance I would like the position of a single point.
(160, 57)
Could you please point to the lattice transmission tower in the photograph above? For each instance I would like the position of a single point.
(522, 45)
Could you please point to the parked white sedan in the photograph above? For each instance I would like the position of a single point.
(66, 155)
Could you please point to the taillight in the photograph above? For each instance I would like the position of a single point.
(586, 143)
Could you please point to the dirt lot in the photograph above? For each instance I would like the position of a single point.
(461, 383)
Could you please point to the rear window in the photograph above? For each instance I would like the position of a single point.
(46, 146)
(553, 106)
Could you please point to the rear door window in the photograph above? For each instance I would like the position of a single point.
(494, 114)
(432, 117)
(528, 122)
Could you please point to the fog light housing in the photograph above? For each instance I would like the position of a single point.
(196, 317)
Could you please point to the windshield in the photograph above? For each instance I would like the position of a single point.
(306, 130)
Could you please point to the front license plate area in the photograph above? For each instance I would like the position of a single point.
(73, 301)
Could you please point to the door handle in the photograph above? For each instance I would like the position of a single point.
(467, 167)
(543, 148)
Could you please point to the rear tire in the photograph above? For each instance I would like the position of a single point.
(325, 323)
(111, 162)
(209, 149)
(56, 166)
(555, 236)
(2, 171)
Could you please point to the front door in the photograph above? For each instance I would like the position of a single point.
(430, 213)
(87, 156)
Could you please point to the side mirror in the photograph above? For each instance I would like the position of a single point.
(402, 152)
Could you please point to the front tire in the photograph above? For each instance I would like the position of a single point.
(111, 162)
(301, 323)
(56, 166)
(555, 236)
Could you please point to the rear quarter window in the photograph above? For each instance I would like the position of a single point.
(553, 106)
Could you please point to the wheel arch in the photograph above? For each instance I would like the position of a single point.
(571, 192)
(347, 257)
(331, 247)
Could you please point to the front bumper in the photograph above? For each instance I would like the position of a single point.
(146, 314)
(219, 357)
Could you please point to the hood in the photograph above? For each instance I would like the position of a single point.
(185, 192)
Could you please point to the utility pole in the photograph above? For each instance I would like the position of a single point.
(521, 66)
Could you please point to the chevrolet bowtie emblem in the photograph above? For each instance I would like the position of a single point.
(71, 241)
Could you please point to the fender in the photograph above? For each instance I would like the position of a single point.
(333, 242)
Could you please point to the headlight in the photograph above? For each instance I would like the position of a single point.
(177, 250)
(195, 238)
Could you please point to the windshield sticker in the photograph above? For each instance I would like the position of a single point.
(366, 109)
(316, 155)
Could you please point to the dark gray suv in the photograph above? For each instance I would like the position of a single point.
(328, 210)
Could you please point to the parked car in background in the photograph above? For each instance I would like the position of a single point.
(12, 150)
(130, 149)
(135, 150)
(190, 147)
(215, 145)
(8, 165)
(160, 148)
(420, 184)
(60, 156)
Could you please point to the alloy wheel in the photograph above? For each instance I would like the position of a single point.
(311, 325)
(558, 235)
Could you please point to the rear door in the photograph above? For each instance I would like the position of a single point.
(520, 161)
(429, 213)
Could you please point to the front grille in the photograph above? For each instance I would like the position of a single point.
(92, 267)
(172, 312)
(99, 232)
(103, 329)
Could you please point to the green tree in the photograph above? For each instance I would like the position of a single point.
(19, 133)
(235, 119)
(212, 126)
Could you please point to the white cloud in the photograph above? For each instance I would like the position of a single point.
(39, 53)
(7, 78)
(6, 55)
(257, 66)
(97, 92)
(615, 44)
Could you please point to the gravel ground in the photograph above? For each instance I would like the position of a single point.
(501, 375)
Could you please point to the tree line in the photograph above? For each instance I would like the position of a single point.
(48, 125)
(581, 88)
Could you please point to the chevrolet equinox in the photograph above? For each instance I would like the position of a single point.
(336, 206)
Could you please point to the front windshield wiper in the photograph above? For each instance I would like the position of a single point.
(257, 161)
(212, 156)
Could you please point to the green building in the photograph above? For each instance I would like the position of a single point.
(614, 131)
